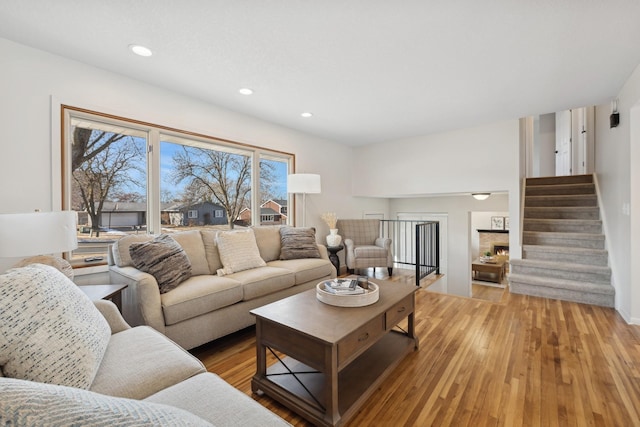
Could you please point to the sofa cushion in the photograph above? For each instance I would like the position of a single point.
(307, 269)
(28, 403)
(191, 242)
(298, 242)
(268, 241)
(164, 259)
(199, 295)
(141, 361)
(214, 400)
(260, 281)
(238, 251)
(211, 249)
(120, 249)
(49, 329)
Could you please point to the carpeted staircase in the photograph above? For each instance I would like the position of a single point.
(563, 245)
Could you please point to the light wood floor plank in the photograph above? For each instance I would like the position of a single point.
(510, 360)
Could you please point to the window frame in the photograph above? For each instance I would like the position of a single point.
(155, 134)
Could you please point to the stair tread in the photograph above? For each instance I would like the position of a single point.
(567, 235)
(554, 180)
(572, 185)
(561, 196)
(564, 220)
(573, 285)
(567, 266)
(564, 249)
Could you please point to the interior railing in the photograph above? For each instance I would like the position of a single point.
(415, 243)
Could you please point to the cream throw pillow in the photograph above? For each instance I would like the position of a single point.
(50, 331)
(26, 403)
(238, 251)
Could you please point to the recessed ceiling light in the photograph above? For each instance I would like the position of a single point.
(306, 114)
(140, 50)
(245, 91)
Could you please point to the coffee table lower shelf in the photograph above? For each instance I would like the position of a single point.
(300, 387)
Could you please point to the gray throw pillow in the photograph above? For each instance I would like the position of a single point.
(164, 259)
(298, 242)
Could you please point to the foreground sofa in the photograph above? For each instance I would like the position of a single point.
(67, 361)
(231, 273)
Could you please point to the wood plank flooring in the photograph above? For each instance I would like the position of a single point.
(518, 361)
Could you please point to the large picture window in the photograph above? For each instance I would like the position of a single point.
(124, 177)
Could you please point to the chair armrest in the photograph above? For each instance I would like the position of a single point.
(141, 303)
(110, 312)
(383, 242)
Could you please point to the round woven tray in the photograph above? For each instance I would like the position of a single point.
(359, 300)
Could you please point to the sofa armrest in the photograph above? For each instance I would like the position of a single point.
(141, 303)
(324, 253)
(110, 312)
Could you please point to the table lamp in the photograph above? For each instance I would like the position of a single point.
(39, 233)
(303, 183)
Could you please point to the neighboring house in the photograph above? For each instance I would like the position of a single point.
(128, 215)
(121, 215)
(272, 212)
(279, 206)
(205, 213)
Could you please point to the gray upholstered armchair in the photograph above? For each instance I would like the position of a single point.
(364, 246)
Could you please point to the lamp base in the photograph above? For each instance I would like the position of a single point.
(54, 261)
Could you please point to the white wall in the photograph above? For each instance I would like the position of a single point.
(458, 209)
(33, 83)
(617, 158)
(483, 158)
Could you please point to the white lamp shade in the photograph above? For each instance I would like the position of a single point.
(37, 233)
(303, 183)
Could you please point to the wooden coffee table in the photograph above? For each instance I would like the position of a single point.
(494, 271)
(331, 359)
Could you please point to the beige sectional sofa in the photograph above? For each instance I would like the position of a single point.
(63, 362)
(208, 306)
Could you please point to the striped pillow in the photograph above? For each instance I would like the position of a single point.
(164, 259)
(298, 242)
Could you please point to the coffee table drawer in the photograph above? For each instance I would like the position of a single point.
(359, 340)
(399, 311)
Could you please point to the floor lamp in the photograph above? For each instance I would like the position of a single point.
(303, 183)
(39, 233)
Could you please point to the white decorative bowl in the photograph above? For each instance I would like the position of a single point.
(369, 296)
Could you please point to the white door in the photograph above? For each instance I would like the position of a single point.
(563, 143)
(440, 285)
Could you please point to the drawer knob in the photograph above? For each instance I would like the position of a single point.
(401, 309)
(363, 337)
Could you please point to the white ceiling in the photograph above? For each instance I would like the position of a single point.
(369, 70)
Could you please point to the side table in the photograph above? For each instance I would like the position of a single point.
(333, 256)
(109, 292)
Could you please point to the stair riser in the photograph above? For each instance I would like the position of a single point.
(562, 213)
(551, 180)
(591, 228)
(578, 276)
(599, 260)
(562, 294)
(559, 191)
(559, 241)
(561, 201)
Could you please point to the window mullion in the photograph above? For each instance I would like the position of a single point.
(153, 182)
